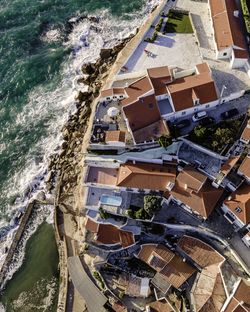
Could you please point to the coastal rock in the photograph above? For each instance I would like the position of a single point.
(103, 68)
(83, 96)
(88, 68)
(106, 53)
(94, 19)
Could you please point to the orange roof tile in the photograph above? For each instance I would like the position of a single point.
(203, 68)
(91, 226)
(115, 136)
(203, 254)
(241, 298)
(160, 306)
(246, 133)
(202, 202)
(136, 90)
(170, 266)
(109, 234)
(191, 179)
(102, 175)
(146, 176)
(112, 91)
(229, 164)
(146, 107)
(160, 76)
(183, 89)
(153, 131)
(209, 293)
(245, 167)
(240, 199)
(227, 27)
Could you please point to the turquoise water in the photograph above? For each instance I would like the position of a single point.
(36, 78)
(40, 58)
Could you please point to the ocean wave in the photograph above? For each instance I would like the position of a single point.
(54, 107)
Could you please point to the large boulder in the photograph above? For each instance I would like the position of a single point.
(88, 68)
(105, 54)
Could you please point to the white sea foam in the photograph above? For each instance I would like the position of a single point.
(53, 107)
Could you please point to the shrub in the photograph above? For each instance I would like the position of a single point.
(103, 214)
(152, 204)
(165, 141)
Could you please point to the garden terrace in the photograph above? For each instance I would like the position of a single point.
(219, 137)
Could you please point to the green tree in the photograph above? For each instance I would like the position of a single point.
(200, 132)
(152, 204)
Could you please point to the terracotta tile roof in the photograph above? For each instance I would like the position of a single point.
(136, 90)
(240, 199)
(115, 135)
(229, 164)
(209, 293)
(101, 175)
(182, 90)
(246, 133)
(146, 107)
(203, 68)
(112, 91)
(202, 202)
(170, 266)
(227, 27)
(146, 176)
(160, 76)
(240, 300)
(203, 254)
(191, 179)
(177, 271)
(245, 167)
(91, 226)
(159, 251)
(119, 307)
(160, 306)
(153, 131)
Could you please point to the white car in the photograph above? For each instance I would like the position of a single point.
(198, 116)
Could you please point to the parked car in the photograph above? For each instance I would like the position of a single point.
(207, 121)
(198, 116)
(182, 124)
(229, 114)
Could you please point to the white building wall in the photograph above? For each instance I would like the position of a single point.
(224, 54)
(238, 223)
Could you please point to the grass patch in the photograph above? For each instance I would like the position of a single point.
(178, 22)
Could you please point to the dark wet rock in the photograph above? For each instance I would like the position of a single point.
(106, 53)
(88, 68)
(94, 19)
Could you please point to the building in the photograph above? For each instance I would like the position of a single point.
(208, 292)
(115, 138)
(163, 94)
(159, 306)
(193, 190)
(109, 235)
(239, 301)
(244, 169)
(236, 207)
(133, 286)
(201, 253)
(146, 176)
(171, 267)
(134, 176)
(228, 33)
(245, 136)
(113, 94)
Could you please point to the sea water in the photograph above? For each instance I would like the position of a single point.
(43, 44)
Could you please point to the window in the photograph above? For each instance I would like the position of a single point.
(225, 53)
(183, 113)
(108, 98)
(196, 102)
(120, 96)
(238, 210)
(207, 105)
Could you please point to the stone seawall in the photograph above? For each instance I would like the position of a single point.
(14, 244)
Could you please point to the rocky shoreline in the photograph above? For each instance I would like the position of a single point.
(63, 165)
